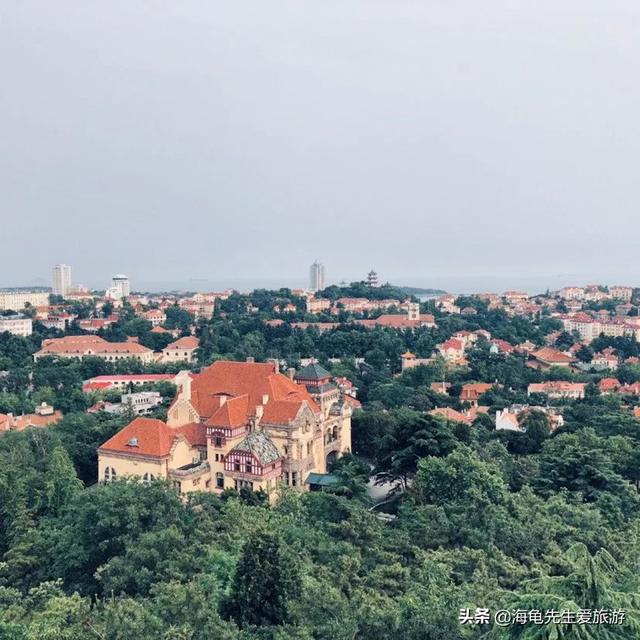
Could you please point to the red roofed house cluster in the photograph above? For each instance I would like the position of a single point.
(234, 425)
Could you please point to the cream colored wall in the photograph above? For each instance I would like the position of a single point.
(129, 467)
(182, 454)
(182, 413)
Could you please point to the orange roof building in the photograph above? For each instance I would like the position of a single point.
(82, 346)
(181, 350)
(210, 443)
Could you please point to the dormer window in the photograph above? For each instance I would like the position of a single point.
(133, 442)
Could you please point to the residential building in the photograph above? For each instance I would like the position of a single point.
(509, 418)
(318, 305)
(129, 381)
(548, 357)
(451, 350)
(571, 293)
(156, 317)
(60, 321)
(316, 276)
(181, 350)
(471, 391)
(621, 293)
(61, 280)
(120, 287)
(234, 425)
(558, 389)
(83, 346)
(43, 416)
(17, 324)
(18, 299)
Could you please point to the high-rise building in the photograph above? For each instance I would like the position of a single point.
(120, 287)
(316, 276)
(61, 279)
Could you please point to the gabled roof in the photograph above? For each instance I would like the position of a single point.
(233, 413)
(313, 371)
(260, 445)
(186, 342)
(551, 355)
(153, 438)
(281, 412)
(258, 381)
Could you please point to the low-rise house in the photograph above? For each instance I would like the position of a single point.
(43, 416)
(451, 350)
(59, 321)
(609, 385)
(558, 389)
(16, 324)
(156, 317)
(605, 360)
(471, 391)
(409, 360)
(318, 305)
(500, 346)
(509, 418)
(182, 350)
(440, 387)
(548, 357)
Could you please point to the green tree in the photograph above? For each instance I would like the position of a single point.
(265, 583)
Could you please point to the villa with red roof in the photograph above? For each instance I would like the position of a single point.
(235, 425)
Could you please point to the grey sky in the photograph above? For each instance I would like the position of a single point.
(443, 142)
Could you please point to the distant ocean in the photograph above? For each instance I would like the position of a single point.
(457, 284)
(452, 284)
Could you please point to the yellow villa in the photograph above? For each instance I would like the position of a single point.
(234, 425)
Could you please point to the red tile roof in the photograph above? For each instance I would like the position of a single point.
(187, 342)
(233, 413)
(153, 438)
(88, 345)
(258, 381)
(552, 356)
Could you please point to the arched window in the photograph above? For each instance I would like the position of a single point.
(109, 474)
(285, 450)
(148, 477)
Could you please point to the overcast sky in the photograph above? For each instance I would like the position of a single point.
(444, 142)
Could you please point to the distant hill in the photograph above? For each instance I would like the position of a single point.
(417, 291)
(383, 292)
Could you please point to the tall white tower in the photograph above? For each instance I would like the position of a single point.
(61, 279)
(316, 276)
(120, 286)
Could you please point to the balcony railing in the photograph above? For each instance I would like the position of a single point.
(190, 469)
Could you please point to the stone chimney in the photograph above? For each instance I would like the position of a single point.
(265, 398)
(291, 372)
(276, 364)
(250, 359)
